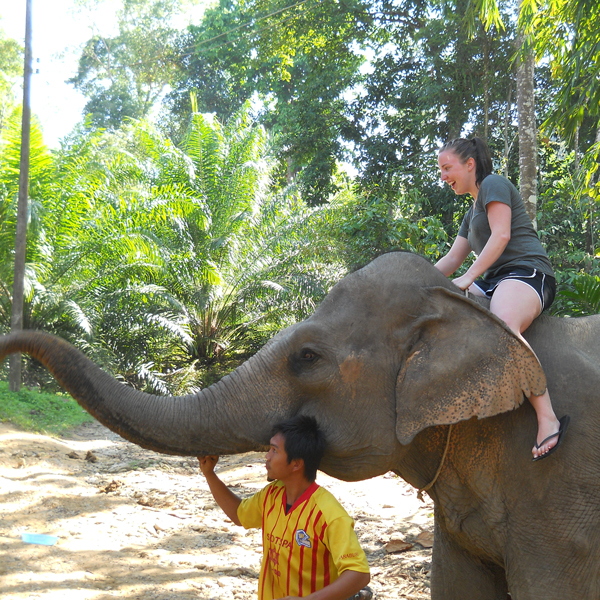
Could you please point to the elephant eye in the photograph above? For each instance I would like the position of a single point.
(307, 355)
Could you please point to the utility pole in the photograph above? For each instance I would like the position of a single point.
(16, 322)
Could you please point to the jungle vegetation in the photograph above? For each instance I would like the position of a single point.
(225, 175)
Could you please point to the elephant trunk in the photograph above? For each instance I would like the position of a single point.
(229, 417)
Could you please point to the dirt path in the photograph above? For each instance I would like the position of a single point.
(135, 524)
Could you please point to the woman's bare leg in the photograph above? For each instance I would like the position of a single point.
(517, 304)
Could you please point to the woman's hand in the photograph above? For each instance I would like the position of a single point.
(463, 282)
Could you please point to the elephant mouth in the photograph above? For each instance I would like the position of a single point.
(358, 464)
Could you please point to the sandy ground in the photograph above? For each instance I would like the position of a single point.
(134, 524)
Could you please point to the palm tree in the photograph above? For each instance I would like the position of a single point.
(232, 252)
(39, 168)
(182, 256)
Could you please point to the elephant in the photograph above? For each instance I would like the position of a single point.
(406, 374)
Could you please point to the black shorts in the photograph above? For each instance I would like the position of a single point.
(544, 285)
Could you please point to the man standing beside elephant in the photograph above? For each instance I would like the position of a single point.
(310, 548)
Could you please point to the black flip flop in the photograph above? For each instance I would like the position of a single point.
(564, 424)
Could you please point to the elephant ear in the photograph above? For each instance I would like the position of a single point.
(463, 362)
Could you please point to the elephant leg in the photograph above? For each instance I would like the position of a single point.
(458, 575)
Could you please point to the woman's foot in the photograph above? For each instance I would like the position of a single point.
(547, 437)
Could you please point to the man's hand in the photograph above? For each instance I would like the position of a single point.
(208, 464)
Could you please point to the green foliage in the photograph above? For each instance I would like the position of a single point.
(295, 62)
(40, 412)
(560, 216)
(372, 225)
(568, 224)
(37, 257)
(11, 66)
(243, 269)
(166, 265)
(125, 75)
(432, 80)
(569, 218)
(568, 33)
(215, 65)
(168, 262)
(583, 297)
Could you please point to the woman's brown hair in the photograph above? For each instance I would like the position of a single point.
(474, 148)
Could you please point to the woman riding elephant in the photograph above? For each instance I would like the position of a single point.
(517, 275)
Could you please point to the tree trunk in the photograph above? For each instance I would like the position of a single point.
(16, 322)
(507, 143)
(527, 129)
(486, 80)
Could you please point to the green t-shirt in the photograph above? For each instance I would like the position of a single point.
(524, 248)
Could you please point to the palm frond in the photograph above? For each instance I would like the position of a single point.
(584, 295)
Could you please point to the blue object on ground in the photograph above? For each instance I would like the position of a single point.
(39, 538)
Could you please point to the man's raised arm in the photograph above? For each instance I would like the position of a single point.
(223, 496)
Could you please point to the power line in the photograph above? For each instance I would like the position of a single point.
(256, 32)
(362, 13)
(197, 46)
(245, 25)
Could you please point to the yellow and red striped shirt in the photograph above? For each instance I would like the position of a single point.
(307, 548)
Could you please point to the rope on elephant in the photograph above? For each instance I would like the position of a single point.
(439, 470)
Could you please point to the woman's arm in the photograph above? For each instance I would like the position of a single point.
(457, 255)
(499, 217)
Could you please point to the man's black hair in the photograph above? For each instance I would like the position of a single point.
(303, 439)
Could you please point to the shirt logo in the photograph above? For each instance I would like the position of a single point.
(302, 538)
(274, 560)
(274, 557)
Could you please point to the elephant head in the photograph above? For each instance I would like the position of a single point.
(393, 349)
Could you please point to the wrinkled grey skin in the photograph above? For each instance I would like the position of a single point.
(392, 356)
